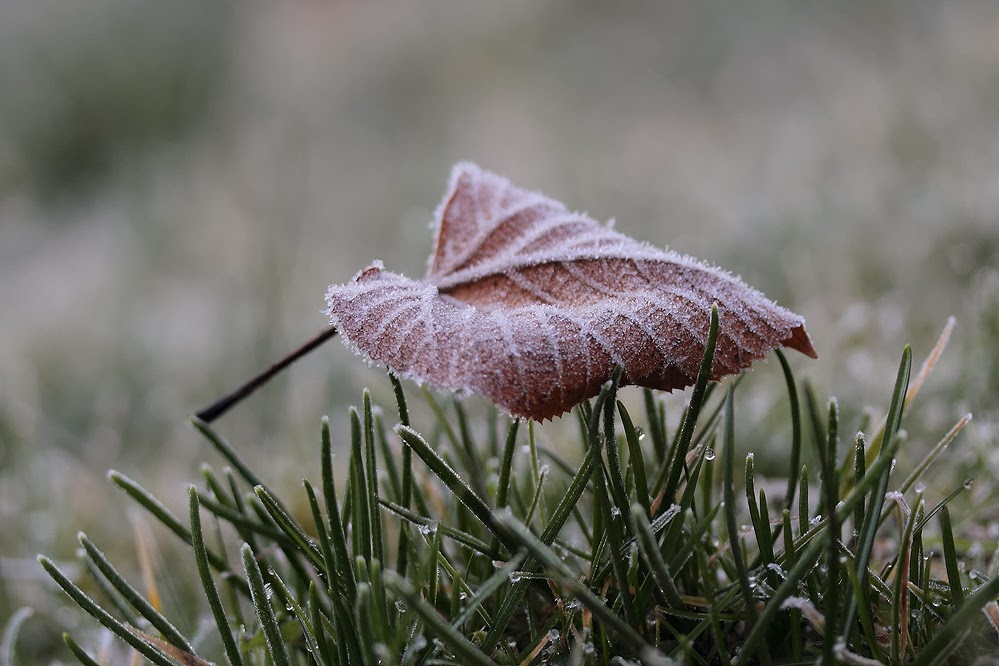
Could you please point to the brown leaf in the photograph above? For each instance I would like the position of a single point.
(533, 306)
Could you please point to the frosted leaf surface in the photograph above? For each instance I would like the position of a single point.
(533, 306)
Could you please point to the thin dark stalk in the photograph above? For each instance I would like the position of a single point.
(230, 400)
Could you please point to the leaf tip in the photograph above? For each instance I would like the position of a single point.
(800, 341)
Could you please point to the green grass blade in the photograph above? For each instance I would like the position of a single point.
(371, 467)
(487, 589)
(558, 518)
(208, 583)
(655, 417)
(461, 537)
(731, 522)
(79, 652)
(161, 513)
(648, 548)
(947, 638)
(889, 445)
(289, 526)
(636, 459)
(900, 594)
(697, 397)
(138, 602)
(615, 476)
(830, 491)
(450, 478)
(318, 624)
(244, 523)
(94, 609)
(262, 607)
(338, 539)
(934, 453)
(462, 648)
(361, 517)
(555, 566)
(229, 453)
(328, 568)
(470, 449)
(11, 631)
(286, 597)
(795, 407)
(950, 560)
(506, 465)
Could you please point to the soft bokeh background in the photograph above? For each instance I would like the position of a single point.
(179, 182)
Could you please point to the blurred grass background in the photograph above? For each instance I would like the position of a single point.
(179, 182)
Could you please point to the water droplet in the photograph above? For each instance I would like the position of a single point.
(515, 576)
(709, 454)
(920, 488)
(640, 433)
(429, 528)
(773, 566)
(615, 512)
(400, 605)
(968, 483)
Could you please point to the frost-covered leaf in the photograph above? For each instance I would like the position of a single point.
(533, 306)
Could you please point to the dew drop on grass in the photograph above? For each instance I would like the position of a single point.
(429, 528)
(709, 454)
(968, 483)
(400, 605)
(515, 576)
(640, 433)
(615, 512)
(920, 488)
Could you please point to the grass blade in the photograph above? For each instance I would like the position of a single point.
(371, 467)
(679, 452)
(462, 648)
(208, 583)
(950, 560)
(730, 518)
(648, 548)
(262, 606)
(138, 602)
(93, 608)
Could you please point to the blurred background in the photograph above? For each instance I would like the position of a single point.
(179, 183)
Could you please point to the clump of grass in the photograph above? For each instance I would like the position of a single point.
(456, 551)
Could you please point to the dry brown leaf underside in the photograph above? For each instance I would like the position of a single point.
(533, 306)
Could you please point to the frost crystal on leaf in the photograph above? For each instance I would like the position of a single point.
(533, 306)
